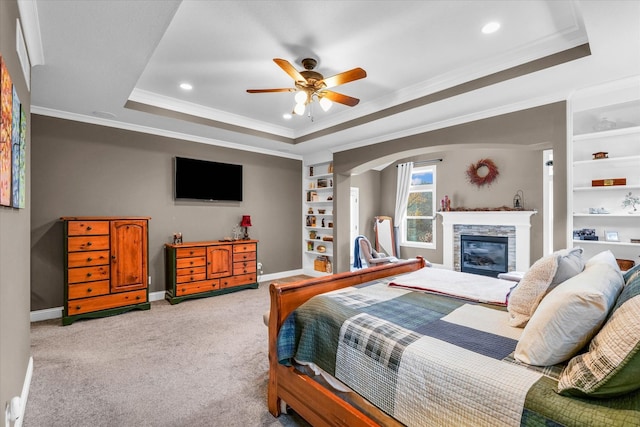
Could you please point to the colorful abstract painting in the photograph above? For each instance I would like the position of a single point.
(23, 160)
(6, 105)
(15, 151)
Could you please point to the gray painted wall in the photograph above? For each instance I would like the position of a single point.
(84, 169)
(528, 132)
(15, 342)
(519, 170)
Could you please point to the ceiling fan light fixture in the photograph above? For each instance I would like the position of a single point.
(325, 104)
(300, 97)
(299, 109)
(312, 86)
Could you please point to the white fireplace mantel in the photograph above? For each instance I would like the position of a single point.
(521, 220)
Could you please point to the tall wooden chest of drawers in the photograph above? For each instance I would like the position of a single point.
(106, 266)
(203, 269)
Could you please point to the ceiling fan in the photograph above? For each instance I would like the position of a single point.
(312, 85)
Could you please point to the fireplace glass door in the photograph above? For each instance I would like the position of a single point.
(486, 255)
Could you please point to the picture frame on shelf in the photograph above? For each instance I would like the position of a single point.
(611, 236)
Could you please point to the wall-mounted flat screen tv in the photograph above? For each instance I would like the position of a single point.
(206, 180)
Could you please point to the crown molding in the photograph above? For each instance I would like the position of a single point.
(28, 10)
(165, 102)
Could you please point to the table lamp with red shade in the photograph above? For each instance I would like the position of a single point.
(246, 223)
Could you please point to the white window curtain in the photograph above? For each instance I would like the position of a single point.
(402, 194)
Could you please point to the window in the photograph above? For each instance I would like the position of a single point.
(418, 229)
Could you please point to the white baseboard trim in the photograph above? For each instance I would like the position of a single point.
(24, 395)
(156, 296)
(56, 312)
(46, 314)
(275, 276)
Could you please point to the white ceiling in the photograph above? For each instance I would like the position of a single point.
(112, 62)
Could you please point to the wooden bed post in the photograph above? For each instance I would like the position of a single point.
(273, 401)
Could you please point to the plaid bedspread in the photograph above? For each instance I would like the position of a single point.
(432, 360)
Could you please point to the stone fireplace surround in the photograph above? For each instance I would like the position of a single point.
(516, 225)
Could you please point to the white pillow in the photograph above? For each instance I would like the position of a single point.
(606, 257)
(540, 279)
(569, 316)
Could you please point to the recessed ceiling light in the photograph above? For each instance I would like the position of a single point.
(186, 86)
(287, 116)
(491, 27)
(104, 114)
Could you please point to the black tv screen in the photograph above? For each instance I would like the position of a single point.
(206, 180)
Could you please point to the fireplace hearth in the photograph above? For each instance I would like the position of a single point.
(485, 255)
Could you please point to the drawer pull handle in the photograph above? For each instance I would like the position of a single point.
(89, 228)
(191, 278)
(191, 253)
(89, 259)
(89, 290)
(138, 297)
(88, 274)
(88, 243)
(78, 307)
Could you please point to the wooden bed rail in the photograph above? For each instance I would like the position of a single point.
(322, 407)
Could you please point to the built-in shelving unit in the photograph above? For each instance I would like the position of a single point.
(318, 219)
(604, 145)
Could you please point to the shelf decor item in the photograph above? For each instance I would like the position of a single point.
(608, 182)
(600, 155)
(518, 200)
(630, 201)
(611, 236)
(604, 124)
(483, 172)
(320, 264)
(246, 223)
(177, 238)
(585, 234)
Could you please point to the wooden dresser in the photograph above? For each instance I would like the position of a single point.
(202, 269)
(105, 266)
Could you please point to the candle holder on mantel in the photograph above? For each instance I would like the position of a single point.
(246, 223)
(518, 200)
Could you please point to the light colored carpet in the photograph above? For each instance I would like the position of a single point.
(201, 362)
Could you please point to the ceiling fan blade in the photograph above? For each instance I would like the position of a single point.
(346, 77)
(339, 98)
(289, 69)
(270, 90)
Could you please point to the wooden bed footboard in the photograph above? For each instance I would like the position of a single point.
(318, 405)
